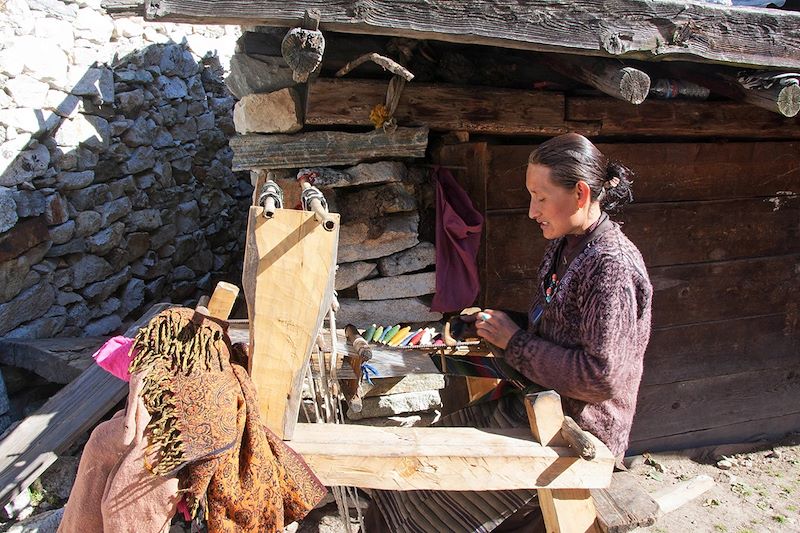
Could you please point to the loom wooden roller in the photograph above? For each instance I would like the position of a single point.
(312, 199)
(354, 389)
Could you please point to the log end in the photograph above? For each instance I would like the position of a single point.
(634, 85)
(789, 100)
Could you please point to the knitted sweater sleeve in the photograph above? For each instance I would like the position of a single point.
(589, 372)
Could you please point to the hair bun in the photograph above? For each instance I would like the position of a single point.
(617, 190)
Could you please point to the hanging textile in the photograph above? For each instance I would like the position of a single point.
(458, 237)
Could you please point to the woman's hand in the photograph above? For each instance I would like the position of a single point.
(496, 327)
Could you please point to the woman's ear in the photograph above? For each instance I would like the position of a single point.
(583, 193)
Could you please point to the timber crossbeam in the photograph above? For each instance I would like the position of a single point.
(630, 29)
(444, 458)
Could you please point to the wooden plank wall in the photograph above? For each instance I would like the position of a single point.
(719, 227)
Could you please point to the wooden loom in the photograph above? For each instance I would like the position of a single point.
(288, 276)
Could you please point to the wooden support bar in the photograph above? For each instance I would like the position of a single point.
(444, 458)
(441, 107)
(325, 148)
(612, 28)
(565, 510)
(578, 439)
(606, 75)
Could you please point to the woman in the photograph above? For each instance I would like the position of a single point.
(589, 324)
(584, 336)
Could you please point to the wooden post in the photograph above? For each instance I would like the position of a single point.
(564, 510)
(222, 300)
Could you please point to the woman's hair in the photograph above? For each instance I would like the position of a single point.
(572, 157)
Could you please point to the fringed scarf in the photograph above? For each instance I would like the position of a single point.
(205, 427)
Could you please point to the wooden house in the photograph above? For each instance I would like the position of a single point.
(716, 216)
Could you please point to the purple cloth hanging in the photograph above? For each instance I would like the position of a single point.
(458, 237)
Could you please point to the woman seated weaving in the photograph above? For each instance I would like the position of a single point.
(584, 336)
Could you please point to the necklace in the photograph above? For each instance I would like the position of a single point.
(550, 291)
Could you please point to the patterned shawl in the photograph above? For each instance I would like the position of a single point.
(205, 428)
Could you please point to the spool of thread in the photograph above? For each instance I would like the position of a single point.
(378, 333)
(407, 340)
(389, 333)
(416, 338)
(399, 336)
(369, 333)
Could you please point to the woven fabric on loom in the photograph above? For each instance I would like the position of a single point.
(480, 366)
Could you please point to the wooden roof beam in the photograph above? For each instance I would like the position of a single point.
(631, 29)
(774, 91)
(606, 75)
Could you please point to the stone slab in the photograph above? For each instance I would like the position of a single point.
(396, 404)
(401, 310)
(416, 258)
(404, 286)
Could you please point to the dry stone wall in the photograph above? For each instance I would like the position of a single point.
(386, 253)
(115, 182)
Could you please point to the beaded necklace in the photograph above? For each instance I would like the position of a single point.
(551, 289)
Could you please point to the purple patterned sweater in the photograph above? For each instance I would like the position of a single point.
(592, 336)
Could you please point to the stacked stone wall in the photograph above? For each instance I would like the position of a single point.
(115, 182)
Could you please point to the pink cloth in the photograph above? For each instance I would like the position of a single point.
(458, 237)
(115, 356)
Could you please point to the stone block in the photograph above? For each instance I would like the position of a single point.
(89, 197)
(363, 240)
(23, 236)
(88, 269)
(415, 420)
(8, 209)
(145, 219)
(29, 203)
(416, 258)
(101, 290)
(397, 404)
(104, 240)
(143, 158)
(172, 88)
(103, 326)
(251, 74)
(404, 286)
(71, 181)
(348, 274)
(62, 233)
(41, 328)
(28, 305)
(404, 384)
(87, 223)
(131, 102)
(407, 310)
(28, 120)
(88, 130)
(96, 83)
(142, 132)
(380, 172)
(27, 92)
(75, 246)
(18, 164)
(56, 210)
(275, 112)
(14, 272)
(62, 104)
(114, 210)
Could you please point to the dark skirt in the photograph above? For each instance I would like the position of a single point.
(429, 511)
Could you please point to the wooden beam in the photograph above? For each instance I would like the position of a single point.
(778, 92)
(684, 118)
(609, 76)
(665, 172)
(325, 148)
(35, 443)
(441, 107)
(638, 29)
(755, 430)
(624, 505)
(444, 458)
(770, 91)
(705, 402)
(724, 229)
(671, 498)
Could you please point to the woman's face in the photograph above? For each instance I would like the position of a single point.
(553, 207)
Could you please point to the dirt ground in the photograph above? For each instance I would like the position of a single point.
(754, 492)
